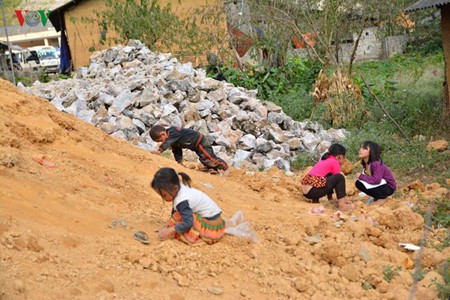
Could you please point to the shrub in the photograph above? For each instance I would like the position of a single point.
(288, 86)
(440, 217)
(390, 272)
(397, 153)
(444, 288)
(303, 160)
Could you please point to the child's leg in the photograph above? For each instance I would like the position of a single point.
(191, 237)
(336, 182)
(362, 188)
(380, 192)
(209, 159)
(315, 193)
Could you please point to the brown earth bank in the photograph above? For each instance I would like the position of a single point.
(63, 182)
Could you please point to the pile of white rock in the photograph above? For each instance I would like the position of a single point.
(127, 89)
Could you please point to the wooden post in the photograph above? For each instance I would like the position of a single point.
(445, 21)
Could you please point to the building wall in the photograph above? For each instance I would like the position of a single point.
(371, 47)
(46, 42)
(394, 45)
(445, 19)
(83, 38)
(46, 37)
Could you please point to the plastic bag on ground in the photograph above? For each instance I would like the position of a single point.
(238, 226)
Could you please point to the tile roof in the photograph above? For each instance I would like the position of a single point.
(423, 4)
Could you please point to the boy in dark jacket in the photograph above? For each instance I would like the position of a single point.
(179, 138)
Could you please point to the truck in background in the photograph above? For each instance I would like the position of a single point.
(22, 59)
(46, 56)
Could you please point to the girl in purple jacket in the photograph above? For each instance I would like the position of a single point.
(375, 180)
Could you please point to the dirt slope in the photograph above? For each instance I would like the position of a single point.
(55, 242)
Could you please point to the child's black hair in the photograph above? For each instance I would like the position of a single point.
(167, 179)
(374, 151)
(335, 150)
(156, 131)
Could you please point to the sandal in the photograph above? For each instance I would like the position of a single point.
(370, 200)
(44, 161)
(141, 237)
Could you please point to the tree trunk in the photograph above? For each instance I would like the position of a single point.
(353, 56)
(337, 43)
(445, 21)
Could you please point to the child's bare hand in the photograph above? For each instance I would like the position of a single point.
(358, 174)
(165, 233)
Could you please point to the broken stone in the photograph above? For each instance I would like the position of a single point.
(127, 89)
(215, 290)
(312, 239)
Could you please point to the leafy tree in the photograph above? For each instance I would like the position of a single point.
(144, 20)
(10, 6)
(198, 31)
(426, 36)
(329, 22)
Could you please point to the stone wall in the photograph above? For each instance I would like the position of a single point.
(371, 47)
(394, 45)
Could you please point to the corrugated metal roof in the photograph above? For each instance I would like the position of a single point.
(423, 4)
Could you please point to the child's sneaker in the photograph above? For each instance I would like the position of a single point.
(203, 169)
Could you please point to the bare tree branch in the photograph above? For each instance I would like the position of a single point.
(385, 111)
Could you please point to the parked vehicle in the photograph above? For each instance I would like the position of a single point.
(21, 59)
(47, 57)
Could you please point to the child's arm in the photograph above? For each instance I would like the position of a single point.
(186, 214)
(185, 225)
(178, 154)
(174, 135)
(377, 173)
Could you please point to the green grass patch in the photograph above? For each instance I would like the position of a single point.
(443, 288)
(398, 154)
(389, 272)
(303, 160)
(410, 88)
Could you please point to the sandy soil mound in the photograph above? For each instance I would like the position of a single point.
(63, 182)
